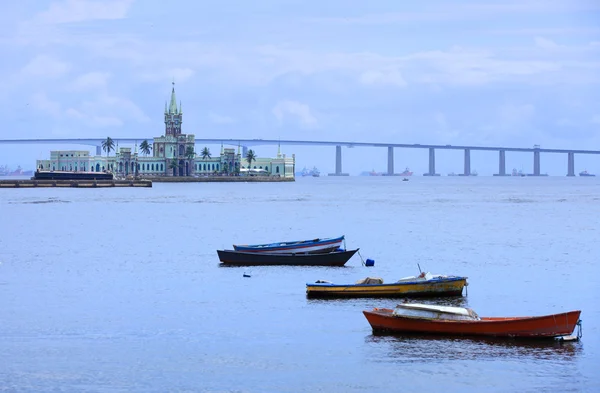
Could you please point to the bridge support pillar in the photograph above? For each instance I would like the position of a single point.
(501, 164)
(390, 168)
(536, 163)
(467, 166)
(338, 162)
(431, 163)
(570, 164)
(98, 150)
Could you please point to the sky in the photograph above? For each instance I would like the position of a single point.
(489, 72)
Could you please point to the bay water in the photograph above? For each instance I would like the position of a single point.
(121, 290)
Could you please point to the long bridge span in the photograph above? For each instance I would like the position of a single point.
(245, 143)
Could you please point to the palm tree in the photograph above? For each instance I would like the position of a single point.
(107, 145)
(190, 153)
(173, 165)
(145, 148)
(205, 153)
(250, 156)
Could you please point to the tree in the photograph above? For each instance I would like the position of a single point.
(145, 148)
(250, 156)
(190, 153)
(107, 145)
(174, 165)
(205, 153)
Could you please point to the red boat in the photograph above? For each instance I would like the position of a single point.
(407, 172)
(458, 321)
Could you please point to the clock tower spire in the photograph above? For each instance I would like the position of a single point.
(173, 116)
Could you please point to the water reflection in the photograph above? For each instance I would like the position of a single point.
(391, 302)
(421, 348)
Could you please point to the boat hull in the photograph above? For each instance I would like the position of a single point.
(547, 326)
(43, 175)
(232, 257)
(315, 246)
(431, 288)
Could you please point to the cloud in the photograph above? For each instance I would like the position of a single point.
(91, 81)
(45, 66)
(300, 111)
(220, 119)
(42, 103)
(105, 103)
(70, 11)
(545, 43)
(390, 77)
(93, 120)
(459, 12)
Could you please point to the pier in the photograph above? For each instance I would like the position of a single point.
(23, 183)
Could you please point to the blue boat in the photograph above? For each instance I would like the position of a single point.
(314, 246)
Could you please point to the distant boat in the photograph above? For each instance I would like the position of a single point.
(314, 246)
(586, 173)
(373, 173)
(305, 172)
(65, 175)
(452, 174)
(407, 172)
(315, 172)
(336, 258)
(518, 173)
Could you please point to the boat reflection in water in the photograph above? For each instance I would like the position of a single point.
(416, 348)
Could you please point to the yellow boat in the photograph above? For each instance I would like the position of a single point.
(424, 285)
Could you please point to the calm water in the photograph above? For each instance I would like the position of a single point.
(120, 290)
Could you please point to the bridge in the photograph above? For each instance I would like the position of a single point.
(245, 143)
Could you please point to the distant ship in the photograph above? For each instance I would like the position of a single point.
(373, 173)
(68, 175)
(310, 172)
(407, 172)
(452, 174)
(517, 173)
(18, 172)
(4, 171)
(586, 173)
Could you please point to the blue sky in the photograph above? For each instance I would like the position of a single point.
(513, 73)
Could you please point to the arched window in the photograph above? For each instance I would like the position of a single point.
(277, 170)
(161, 167)
(152, 167)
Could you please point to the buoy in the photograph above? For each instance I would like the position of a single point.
(369, 262)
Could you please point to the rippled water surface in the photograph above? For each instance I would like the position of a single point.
(120, 290)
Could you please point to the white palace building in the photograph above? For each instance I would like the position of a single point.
(173, 154)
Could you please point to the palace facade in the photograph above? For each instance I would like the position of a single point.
(172, 154)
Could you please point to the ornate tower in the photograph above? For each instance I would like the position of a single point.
(173, 116)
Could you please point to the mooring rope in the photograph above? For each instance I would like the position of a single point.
(361, 259)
